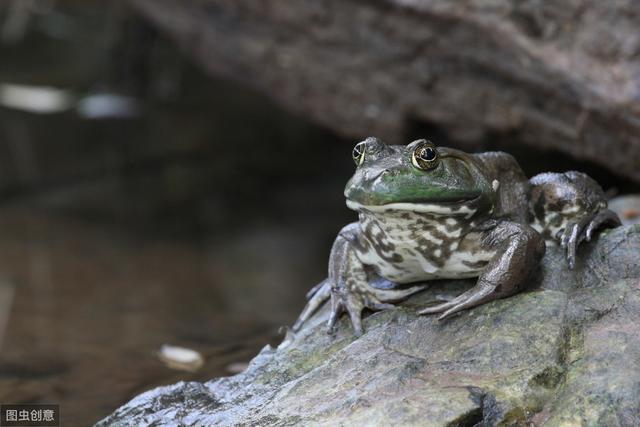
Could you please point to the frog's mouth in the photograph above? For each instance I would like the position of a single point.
(465, 206)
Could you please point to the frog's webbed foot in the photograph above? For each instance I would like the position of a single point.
(348, 286)
(583, 229)
(475, 296)
(518, 250)
(354, 296)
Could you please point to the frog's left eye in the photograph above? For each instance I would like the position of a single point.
(359, 152)
(425, 156)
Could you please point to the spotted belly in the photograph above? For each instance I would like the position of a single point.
(411, 251)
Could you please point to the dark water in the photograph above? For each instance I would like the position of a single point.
(200, 221)
(89, 306)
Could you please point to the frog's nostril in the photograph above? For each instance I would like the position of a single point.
(370, 175)
(374, 175)
(377, 174)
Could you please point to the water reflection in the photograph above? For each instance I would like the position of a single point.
(93, 305)
(153, 205)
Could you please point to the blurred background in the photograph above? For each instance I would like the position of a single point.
(171, 172)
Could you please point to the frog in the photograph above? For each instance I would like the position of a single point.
(427, 212)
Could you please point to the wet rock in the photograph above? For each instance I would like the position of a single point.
(627, 207)
(565, 351)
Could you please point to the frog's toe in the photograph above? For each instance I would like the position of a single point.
(356, 321)
(393, 295)
(314, 290)
(603, 218)
(474, 296)
(437, 308)
(355, 299)
(319, 294)
(576, 232)
(336, 311)
(352, 304)
(381, 306)
(571, 238)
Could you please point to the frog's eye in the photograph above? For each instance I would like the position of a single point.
(359, 152)
(425, 156)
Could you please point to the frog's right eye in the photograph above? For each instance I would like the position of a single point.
(359, 152)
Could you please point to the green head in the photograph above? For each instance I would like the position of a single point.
(419, 173)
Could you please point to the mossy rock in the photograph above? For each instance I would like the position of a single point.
(564, 352)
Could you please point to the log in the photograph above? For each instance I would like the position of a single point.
(561, 76)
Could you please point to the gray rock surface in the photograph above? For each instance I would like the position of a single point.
(564, 352)
(563, 75)
(627, 207)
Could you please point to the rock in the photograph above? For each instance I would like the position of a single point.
(565, 351)
(627, 207)
(548, 75)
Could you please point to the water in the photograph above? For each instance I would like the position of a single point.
(199, 218)
(90, 306)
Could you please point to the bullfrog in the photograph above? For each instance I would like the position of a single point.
(427, 212)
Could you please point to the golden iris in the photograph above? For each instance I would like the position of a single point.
(358, 153)
(425, 156)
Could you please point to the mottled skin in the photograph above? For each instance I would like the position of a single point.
(429, 212)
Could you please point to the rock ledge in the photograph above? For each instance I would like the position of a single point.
(566, 351)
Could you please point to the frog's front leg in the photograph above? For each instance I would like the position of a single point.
(349, 286)
(518, 248)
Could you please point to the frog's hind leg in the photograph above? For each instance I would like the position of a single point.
(348, 286)
(568, 208)
(518, 249)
